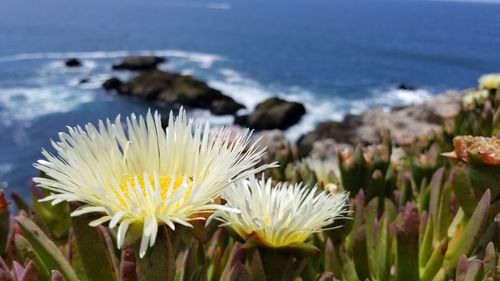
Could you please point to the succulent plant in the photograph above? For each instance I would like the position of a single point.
(416, 212)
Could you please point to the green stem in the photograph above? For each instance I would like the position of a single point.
(159, 261)
(274, 262)
(277, 264)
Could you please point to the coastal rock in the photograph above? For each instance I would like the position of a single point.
(139, 63)
(157, 85)
(73, 62)
(274, 142)
(404, 123)
(274, 113)
(112, 84)
(405, 86)
(326, 149)
(84, 81)
(344, 131)
(224, 106)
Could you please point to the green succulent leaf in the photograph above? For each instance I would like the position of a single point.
(407, 238)
(433, 266)
(464, 242)
(463, 190)
(27, 254)
(95, 252)
(426, 245)
(20, 203)
(46, 249)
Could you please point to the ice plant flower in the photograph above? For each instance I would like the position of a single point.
(147, 175)
(327, 171)
(475, 97)
(282, 215)
(490, 81)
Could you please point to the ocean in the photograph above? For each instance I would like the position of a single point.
(335, 56)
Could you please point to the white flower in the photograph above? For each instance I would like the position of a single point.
(282, 215)
(327, 171)
(475, 97)
(147, 176)
(490, 81)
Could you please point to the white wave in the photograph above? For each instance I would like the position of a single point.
(93, 82)
(244, 90)
(61, 64)
(195, 5)
(5, 168)
(59, 67)
(65, 55)
(202, 115)
(219, 6)
(388, 98)
(187, 71)
(204, 59)
(25, 104)
(399, 97)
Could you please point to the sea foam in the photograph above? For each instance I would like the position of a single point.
(25, 104)
(205, 60)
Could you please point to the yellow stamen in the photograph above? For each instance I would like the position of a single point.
(164, 184)
(267, 220)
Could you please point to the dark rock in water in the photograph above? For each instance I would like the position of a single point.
(408, 87)
(139, 63)
(157, 85)
(73, 62)
(113, 84)
(225, 106)
(84, 81)
(342, 132)
(274, 113)
(241, 120)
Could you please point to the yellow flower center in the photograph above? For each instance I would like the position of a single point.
(164, 183)
(267, 221)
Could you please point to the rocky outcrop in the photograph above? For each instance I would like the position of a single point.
(274, 142)
(404, 123)
(139, 63)
(113, 84)
(342, 132)
(174, 88)
(273, 113)
(405, 86)
(73, 62)
(327, 149)
(84, 81)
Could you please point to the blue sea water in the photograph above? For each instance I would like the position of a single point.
(336, 56)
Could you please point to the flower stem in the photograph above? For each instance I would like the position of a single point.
(278, 265)
(159, 261)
